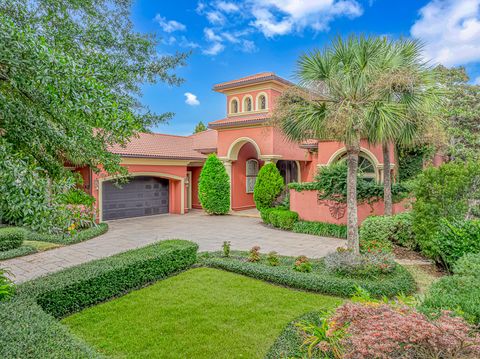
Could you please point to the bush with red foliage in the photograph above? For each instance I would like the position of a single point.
(379, 330)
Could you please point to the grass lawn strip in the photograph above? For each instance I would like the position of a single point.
(201, 313)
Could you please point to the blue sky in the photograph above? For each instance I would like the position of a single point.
(231, 39)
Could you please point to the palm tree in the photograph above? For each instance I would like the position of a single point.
(410, 83)
(342, 91)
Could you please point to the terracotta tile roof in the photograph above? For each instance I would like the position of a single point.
(205, 140)
(252, 79)
(240, 120)
(156, 145)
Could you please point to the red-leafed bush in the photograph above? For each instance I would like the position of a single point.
(379, 330)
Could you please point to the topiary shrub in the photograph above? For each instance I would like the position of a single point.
(454, 239)
(268, 187)
(214, 187)
(282, 218)
(11, 238)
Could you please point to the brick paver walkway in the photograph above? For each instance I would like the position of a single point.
(208, 231)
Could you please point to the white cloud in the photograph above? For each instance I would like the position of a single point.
(191, 99)
(215, 17)
(170, 40)
(169, 25)
(281, 17)
(248, 46)
(214, 49)
(227, 6)
(184, 42)
(210, 35)
(450, 30)
(477, 81)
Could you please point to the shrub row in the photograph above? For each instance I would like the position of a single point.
(73, 289)
(11, 238)
(321, 229)
(80, 236)
(459, 292)
(280, 218)
(17, 252)
(399, 281)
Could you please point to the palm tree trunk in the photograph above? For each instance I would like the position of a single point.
(387, 180)
(352, 217)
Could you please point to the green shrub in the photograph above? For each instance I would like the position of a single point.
(214, 187)
(282, 218)
(272, 259)
(346, 263)
(77, 237)
(254, 254)
(77, 196)
(380, 232)
(455, 239)
(319, 280)
(17, 252)
(331, 183)
(268, 187)
(468, 265)
(76, 288)
(226, 248)
(7, 288)
(459, 293)
(442, 192)
(321, 229)
(265, 214)
(27, 332)
(11, 238)
(302, 264)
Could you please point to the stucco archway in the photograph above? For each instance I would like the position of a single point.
(366, 154)
(232, 154)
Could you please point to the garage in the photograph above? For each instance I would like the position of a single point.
(141, 196)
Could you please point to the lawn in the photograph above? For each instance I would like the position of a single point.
(201, 313)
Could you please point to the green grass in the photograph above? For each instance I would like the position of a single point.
(41, 246)
(27, 247)
(201, 313)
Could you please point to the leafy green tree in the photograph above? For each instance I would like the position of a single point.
(214, 187)
(268, 187)
(344, 89)
(70, 76)
(200, 127)
(461, 114)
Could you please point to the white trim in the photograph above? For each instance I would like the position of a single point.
(243, 103)
(230, 105)
(137, 174)
(257, 104)
(365, 152)
(232, 154)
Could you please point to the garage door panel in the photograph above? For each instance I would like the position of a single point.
(142, 196)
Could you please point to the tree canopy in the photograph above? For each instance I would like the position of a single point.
(200, 127)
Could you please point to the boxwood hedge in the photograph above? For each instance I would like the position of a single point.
(28, 328)
(319, 280)
(11, 238)
(321, 229)
(80, 236)
(76, 288)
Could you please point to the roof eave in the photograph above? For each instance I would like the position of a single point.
(127, 155)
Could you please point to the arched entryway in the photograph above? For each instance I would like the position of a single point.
(289, 170)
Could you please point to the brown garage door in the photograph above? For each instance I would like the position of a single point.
(142, 196)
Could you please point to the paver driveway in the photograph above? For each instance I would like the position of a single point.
(208, 231)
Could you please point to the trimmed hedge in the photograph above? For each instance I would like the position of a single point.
(27, 332)
(11, 238)
(279, 217)
(319, 280)
(76, 288)
(17, 252)
(459, 292)
(321, 229)
(80, 236)
(214, 187)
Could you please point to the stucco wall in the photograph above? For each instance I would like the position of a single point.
(195, 179)
(309, 208)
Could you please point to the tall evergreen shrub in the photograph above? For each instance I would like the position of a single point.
(214, 187)
(268, 187)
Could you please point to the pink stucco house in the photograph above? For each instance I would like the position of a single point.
(165, 169)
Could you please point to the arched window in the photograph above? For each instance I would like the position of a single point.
(234, 106)
(262, 102)
(365, 166)
(247, 104)
(252, 173)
